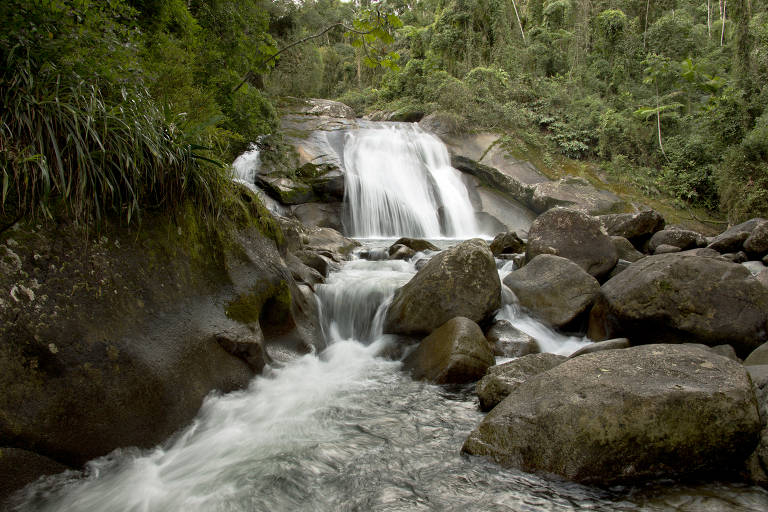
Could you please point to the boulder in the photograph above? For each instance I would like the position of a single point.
(666, 249)
(554, 289)
(620, 267)
(599, 346)
(574, 235)
(635, 227)
(733, 238)
(757, 464)
(625, 250)
(735, 257)
(416, 244)
(327, 108)
(757, 242)
(500, 380)
(302, 273)
(507, 341)
(286, 190)
(401, 252)
(459, 281)
(315, 261)
(677, 298)
(725, 351)
(703, 252)
(454, 353)
(324, 215)
(247, 345)
(758, 356)
(682, 238)
(507, 243)
(21, 467)
(646, 412)
(755, 267)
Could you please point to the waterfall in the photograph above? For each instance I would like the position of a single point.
(400, 182)
(244, 170)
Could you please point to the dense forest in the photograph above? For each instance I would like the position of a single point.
(111, 107)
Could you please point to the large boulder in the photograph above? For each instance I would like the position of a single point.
(554, 289)
(625, 250)
(599, 346)
(460, 281)
(652, 411)
(455, 353)
(676, 298)
(416, 244)
(759, 356)
(733, 238)
(682, 238)
(635, 227)
(324, 215)
(574, 235)
(500, 380)
(757, 242)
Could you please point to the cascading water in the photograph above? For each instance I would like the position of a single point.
(400, 182)
(244, 170)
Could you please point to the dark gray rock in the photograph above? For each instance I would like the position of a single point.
(454, 353)
(302, 273)
(635, 227)
(646, 412)
(725, 351)
(417, 244)
(682, 238)
(733, 238)
(507, 341)
(736, 257)
(625, 250)
(757, 242)
(574, 235)
(315, 261)
(324, 215)
(675, 298)
(401, 252)
(554, 289)
(620, 267)
(459, 281)
(500, 380)
(666, 249)
(247, 345)
(21, 467)
(507, 243)
(576, 193)
(599, 346)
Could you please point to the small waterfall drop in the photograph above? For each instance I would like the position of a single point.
(244, 170)
(400, 183)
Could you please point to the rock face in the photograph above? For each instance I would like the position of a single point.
(635, 227)
(577, 193)
(554, 289)
(573, 235)
(682, 238)
(676, 298)
(460, 281)
(623, 415)
(507, 243)
(455, 353)
(500, 380)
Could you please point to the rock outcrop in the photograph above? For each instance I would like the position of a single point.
(646, 412)
(501, 380)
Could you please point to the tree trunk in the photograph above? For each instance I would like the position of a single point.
(722, 17)
(645, 27)
(709, 20)
(518, 20)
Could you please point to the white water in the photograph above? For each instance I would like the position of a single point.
(398, 176)
(244, 170)
(344, 430)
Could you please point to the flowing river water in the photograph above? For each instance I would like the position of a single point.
(346, 429)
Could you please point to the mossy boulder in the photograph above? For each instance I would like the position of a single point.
(677, 298)
(459, 281)
(454, 353)
(500, 380)
(647, 412)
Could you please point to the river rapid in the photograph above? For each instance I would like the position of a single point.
(347, 430)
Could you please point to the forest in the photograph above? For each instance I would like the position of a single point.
(114, 107)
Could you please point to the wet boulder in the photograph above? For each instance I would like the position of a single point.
(647, 412)
(459, 281)
(246, 344)
(401, 252)
(500, 380)
(683, 239)
(635, 227)
(454, 353)
(508, 341)
(415, 244)
(554, 289)
(507, 243)
(677, 298)
(574, 235)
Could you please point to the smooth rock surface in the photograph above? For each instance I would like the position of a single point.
(676, 298)
(556, 290)
(460, 281)
(635, 227)
(653, 411)
(454, 353)
(574, 235)
(758, 356)
(599, 346)
(625, 250)
(500, 380)
(757, 243)
(682, 238)
(508, 341)
(733, 238)
(507, 243)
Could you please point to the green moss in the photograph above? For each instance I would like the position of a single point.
(270, 305)
(277, 309)
(245, 309)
